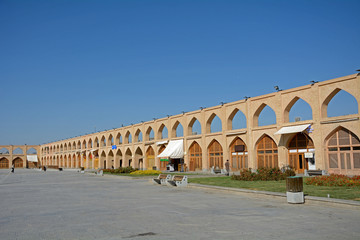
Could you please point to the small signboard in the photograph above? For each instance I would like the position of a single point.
(113, 147)
(309, 155)
(164, 159)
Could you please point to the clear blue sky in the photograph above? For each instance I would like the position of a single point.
(68, 66)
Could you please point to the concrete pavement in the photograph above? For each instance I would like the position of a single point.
(71, 205)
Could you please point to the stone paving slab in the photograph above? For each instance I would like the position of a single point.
(71, 205)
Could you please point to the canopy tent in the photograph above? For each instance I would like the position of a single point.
(32, 158)
(175, 149)
(293, 129)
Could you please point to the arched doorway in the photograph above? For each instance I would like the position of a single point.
(139, 163)
(215, 155)
(18, 163)
(343, 151)
(4, 163)
(267, 153)
(96, 160)
(163, 162)
(239, 155)
(195, 157)
(301, 150)
(150, 158)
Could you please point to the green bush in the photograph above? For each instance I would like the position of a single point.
(128, 169)
(263, 174)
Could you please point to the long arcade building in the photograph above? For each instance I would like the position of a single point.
(325, 143)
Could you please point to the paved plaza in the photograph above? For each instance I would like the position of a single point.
(70, 205)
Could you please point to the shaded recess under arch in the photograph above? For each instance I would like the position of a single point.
(267, 153)
(343, 152)
(195, 152)
(298, 145)
(239, 154)
(215, 152)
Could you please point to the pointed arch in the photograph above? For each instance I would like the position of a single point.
(139, 163)
(18, 162)
(4, 151)
(18, 151)
(84, 144)
(213, 124)
(298, 145)
(343, 152)
(61, 147)
(103, 141)
(163, 162)
(128, 137)
(4, 163)
(264, 116)
(266, 152)
(102, 159)
(138, 136)
(149, 135)
(150, 158)
(194, 127)
(195, 152)
(118, 158)
(162, 132)
(118, 140)
(239, 154)
(215, 155)
(110, 160)
(73, 146)
(341, 103)
(90, 143)
(31, 151)
(177, 130)
(236, 120)
(110, 141)
(297, 108)
(128, 157)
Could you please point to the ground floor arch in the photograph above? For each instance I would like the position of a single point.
(215, 154)
(238, 155)
(139, 162)
(301, 152)
(165, 161)
(128, 157)
(118, 159)
(150, 158)
(4, 163)
(18, 163)
(267, 153)
(195, 157)
(343, 152)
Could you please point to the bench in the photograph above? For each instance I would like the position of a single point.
(162, 179)
(314, 172)
(178, 181)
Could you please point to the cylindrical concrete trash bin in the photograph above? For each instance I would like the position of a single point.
(294, 190)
